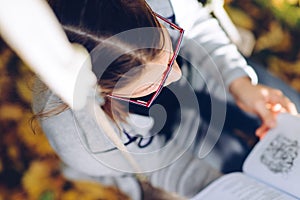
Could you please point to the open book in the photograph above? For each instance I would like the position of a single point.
(270, 172)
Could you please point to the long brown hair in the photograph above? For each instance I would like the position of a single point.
(91, 22)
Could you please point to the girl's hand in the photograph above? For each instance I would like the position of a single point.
(264, 101)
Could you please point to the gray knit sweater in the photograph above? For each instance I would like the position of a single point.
(211, 62)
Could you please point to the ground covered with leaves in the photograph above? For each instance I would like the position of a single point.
(29, 169)
(275, 25)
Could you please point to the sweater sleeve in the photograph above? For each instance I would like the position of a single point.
(207, 47)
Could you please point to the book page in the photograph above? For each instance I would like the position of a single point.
(237, 186)
(276, 158)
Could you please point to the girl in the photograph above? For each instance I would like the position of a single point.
(133, 57)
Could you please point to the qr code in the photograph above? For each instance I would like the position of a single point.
(280, 154)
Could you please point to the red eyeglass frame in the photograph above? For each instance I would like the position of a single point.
(166, 73)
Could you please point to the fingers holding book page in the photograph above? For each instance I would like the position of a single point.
(275, 159)
(271, 171)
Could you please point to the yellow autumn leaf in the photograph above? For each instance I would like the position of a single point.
(9, 111)
(70, 195)
(240, 18)
(24, 89)
(38, 178)
(277, 3)
(275, 39)
(25, 83)
(286, 70)
(13, 152)
(32, 135)
(284, 67)
(292, 2)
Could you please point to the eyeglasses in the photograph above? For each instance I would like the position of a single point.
(177, 33)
